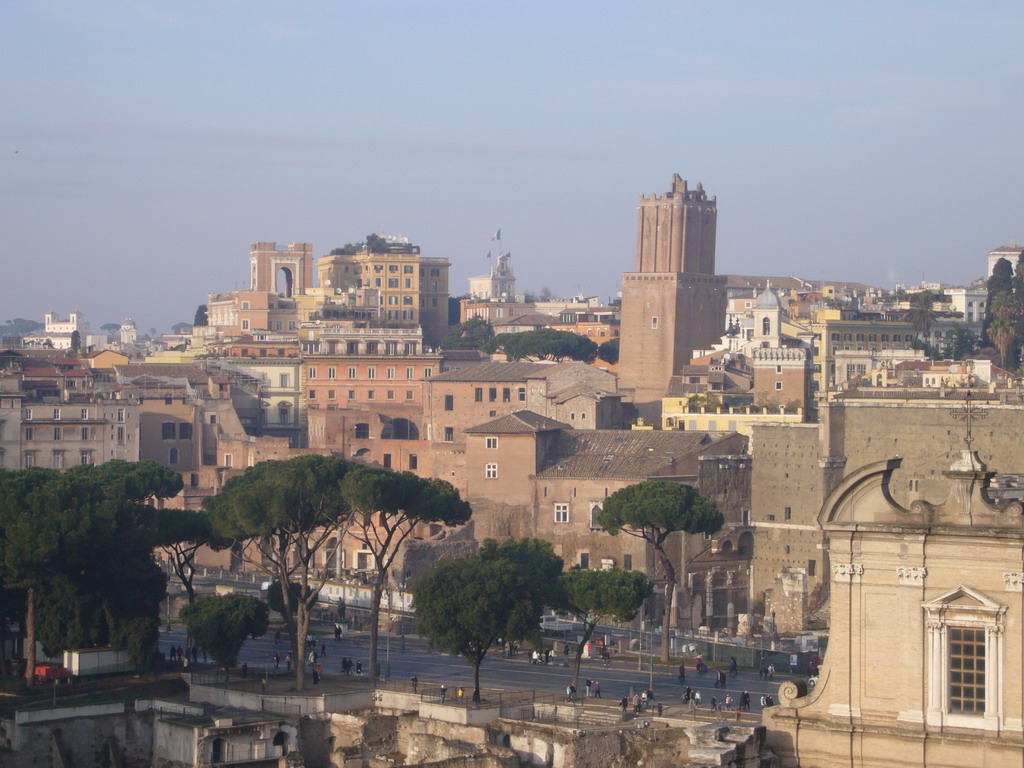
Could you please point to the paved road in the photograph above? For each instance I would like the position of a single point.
(498, 672)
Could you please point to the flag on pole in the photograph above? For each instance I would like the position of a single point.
(496, 236)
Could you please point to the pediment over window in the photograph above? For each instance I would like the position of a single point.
(963, 599)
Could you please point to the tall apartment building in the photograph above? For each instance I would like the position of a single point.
(46, 423)
(413, 288)
(673, 302)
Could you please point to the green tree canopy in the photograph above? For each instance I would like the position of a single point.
(961, 343)
(472, 334)
(280, 514)
(595, 596)
(76, 342)
(921, 315)
(544, 344)
(221, 624)
(386, 508)
(56, 535)
(110, 327)
(609, 351)
(463, 606)
(653, 511)
(201, 318)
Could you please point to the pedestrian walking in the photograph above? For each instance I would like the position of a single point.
(745, 701)
(359, 669)
(660, 708)
(732, 666)
(597, 689)
(771, 671)
(323, 649)
(263, 684)
(589, 686)
(623, 704)
(697, 698)
(277, 659)
(288, 661)
(682, 673)
(444, 692)
(415, 683)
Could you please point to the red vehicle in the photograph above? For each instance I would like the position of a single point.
(46, 672)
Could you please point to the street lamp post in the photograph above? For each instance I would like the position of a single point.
(387, 652)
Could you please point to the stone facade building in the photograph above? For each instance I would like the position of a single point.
(528, 475)
(925, 657)
(575, 393)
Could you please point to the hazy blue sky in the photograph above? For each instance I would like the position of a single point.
(143, 146)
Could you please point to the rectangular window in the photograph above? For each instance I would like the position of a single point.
(184, 431)
(167, 430)
(29, 433)
(371, 395)
(410, 373)
(492, 394)
(352, 372)
(30, 459)
(787, 513)
(492, 442)
(83, 458)
(491, 471)
(522, 394)
(312, 394)
(408, 394)
(449, 434)
(967, 670)
(351, 394)
(311, 372)
(284, 380)
(85, 433)
(449, 402)
(332, 372)
(57, 460)
(812, 567)
(56, 433)
(28, 414)
(56, 413)
(391, 394)
(387, 461)
(120, 415)
(413, 461)
(561, 513)
(391, 373)
(506, 395)
(330, 394)
(654, 323)
(584, 560)
(229, 460)
(478, 394)
(371, 372)
(627, 562)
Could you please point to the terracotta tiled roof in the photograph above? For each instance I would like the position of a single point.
(194, 373)
(496, 372)
(518, 423)
(622, 454)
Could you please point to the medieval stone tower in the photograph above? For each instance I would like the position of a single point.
(673, 303)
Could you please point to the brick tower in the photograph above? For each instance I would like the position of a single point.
(673, 303)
